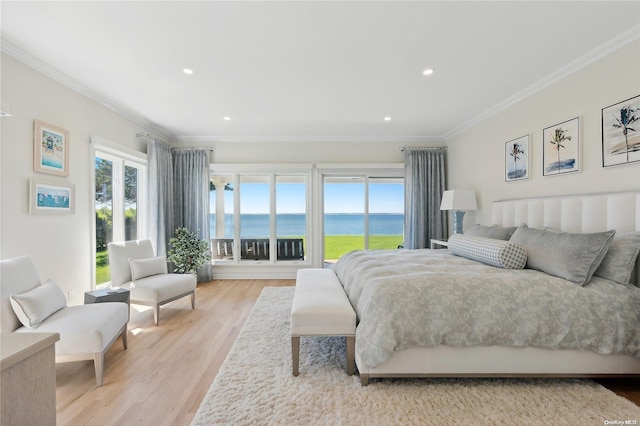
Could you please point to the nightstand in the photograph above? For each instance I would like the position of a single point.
(108, 295)
(438, 242)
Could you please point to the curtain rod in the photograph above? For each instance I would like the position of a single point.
(422, 147)
(176, 148)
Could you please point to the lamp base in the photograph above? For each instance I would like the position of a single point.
(457, 221)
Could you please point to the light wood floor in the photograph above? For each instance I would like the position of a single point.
(167, 370)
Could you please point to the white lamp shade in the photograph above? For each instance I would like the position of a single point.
(457, 199)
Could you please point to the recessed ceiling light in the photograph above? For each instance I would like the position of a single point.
(387, 119)
(428, 71)
(227, 119)
(187, 71)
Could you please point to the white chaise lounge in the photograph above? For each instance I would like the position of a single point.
(151, 285)
(86, 331)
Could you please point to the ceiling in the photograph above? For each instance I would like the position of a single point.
(311, 71)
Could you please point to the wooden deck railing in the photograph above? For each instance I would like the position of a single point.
(258, 248)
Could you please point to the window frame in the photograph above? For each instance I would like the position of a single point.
(120, 156)
(270, 172)
(366, 171)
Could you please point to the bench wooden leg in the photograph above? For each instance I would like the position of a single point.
(364, 379)
(351, 354)
(295, 353)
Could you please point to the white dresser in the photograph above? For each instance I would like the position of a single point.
(28, 382)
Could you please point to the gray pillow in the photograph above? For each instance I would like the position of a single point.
(496, 232)
(618, 263)
(574, 257)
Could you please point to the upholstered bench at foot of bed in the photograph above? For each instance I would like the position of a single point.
(321, 308)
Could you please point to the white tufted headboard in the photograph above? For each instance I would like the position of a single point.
(574, 213)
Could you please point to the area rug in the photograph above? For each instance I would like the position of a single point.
(255, 387)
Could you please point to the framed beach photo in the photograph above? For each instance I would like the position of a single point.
(50, 149)
(561, 148)
(516, 159)
(621, 133)
(51, 197)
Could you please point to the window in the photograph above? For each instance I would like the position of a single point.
(291, 217)
(386, 212)
(259, 216)
(255, 217)
(286, 215)
(363, 209)
(344, 215)
(118, 186)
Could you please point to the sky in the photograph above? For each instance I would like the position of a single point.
(339, 198)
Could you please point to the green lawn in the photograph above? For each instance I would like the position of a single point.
(103, 274)
(337, 245)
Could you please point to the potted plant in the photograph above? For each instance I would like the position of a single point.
(187, 251)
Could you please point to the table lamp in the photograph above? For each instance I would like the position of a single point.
(459, 201)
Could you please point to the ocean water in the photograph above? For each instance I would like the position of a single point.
(257, 225)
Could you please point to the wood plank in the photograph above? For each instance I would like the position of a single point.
(167, 370)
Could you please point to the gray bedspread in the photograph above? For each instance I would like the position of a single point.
(409, 298)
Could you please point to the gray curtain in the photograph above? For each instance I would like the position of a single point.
(191, 195)
(424, 183)
(160, 223)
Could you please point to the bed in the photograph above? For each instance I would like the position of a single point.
(442, 313)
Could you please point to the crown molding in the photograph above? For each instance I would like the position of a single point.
(21, 55)
(16, 52)
(185, 139)
(599, 52)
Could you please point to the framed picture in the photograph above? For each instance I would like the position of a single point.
(621, 133)
(561, 148)
(50, 149)
(51, 197)
(516, 159)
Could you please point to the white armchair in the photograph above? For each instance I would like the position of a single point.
(86, 331)
(134, 266)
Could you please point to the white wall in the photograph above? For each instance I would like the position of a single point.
(59, 245)
(476, 156)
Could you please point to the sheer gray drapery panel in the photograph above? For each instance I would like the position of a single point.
(424, 183)
(160, 201)
(191, 195)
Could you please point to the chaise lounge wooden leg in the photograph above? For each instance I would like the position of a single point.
(351, 354)
(295, 353)
(193, 300)
(124, 338)
(156, 314)
(98, 364)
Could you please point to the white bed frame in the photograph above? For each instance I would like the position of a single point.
(581, 213)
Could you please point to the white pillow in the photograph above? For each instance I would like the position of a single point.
(34, 306)
(142, 268)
